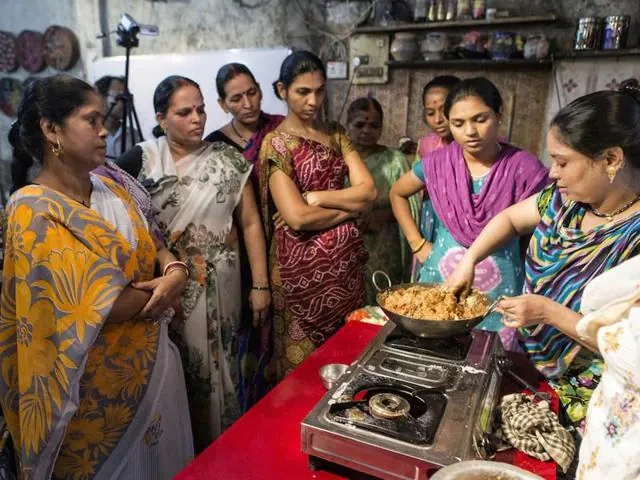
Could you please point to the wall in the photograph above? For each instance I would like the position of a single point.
(185, 26)
(402, 103)
(533, 91)
(18, 16)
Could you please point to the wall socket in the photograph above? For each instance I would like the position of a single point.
(337, 70)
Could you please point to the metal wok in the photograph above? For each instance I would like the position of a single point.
(424, 327)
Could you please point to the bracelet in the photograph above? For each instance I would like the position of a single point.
(260, 289)
(416, 250)
(176, 264)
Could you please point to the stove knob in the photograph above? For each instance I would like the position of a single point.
(503, 363)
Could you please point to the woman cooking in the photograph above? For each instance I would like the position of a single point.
(469, 181)
(585, 223)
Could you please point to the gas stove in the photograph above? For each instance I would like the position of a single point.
(409, 406)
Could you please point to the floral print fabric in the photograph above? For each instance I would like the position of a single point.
(70, 382)
(195, 198)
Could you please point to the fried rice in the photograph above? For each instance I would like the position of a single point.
(433, 303)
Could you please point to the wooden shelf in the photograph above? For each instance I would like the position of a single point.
(469, 63)
(591, 54)
(410, 27)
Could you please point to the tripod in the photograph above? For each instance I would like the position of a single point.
(129, 114)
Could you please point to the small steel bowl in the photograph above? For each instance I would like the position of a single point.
(331, 372)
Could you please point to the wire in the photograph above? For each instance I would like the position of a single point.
(335, 42)
(346, 98)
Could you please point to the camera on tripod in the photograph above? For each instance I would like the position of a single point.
(127, 37)
(129, 29)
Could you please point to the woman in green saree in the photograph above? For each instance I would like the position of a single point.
(383, 239)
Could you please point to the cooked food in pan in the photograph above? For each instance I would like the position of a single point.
(433, 303)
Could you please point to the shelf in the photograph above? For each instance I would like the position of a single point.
(468, 63)
(591, 54)
(411, 27)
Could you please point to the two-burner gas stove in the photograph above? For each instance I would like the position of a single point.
(408, 406)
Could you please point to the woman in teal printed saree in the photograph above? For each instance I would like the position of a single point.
(583, 225)
(91, 386)
(383, 239)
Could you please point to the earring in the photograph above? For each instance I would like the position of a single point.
(56, 148)
(611, 173)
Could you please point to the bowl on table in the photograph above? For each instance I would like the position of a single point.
(331, 372)
(483, 470)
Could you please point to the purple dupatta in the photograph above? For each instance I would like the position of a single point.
(514, 176)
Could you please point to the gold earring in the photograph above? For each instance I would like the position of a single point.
(611, 173)
(56, 148)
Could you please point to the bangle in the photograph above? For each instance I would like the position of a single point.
(419, 247)
(260, 289)
(173, 265)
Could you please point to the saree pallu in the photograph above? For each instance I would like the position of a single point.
(74, 388)
(317, 278)
(560, 262)
(266, 124)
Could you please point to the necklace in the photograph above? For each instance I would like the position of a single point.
(233, 127)
(609, 216)
(82, 202)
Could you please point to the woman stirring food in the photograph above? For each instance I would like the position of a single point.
(585, 223)
(469, 181)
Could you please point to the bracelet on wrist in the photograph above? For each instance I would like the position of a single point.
(260, 289)
(419, 247)
(171, 266)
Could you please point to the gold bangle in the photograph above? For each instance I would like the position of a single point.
(416, 250)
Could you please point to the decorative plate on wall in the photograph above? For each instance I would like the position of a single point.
(30, 49)
(8, 58)
(10, 95)
(61, 48)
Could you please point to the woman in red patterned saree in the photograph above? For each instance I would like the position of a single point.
(316, 252)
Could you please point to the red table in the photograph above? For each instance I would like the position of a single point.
(265, 442)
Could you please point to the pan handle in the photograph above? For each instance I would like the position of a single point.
(493, 306)
(386, 277)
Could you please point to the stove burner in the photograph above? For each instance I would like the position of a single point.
(421, 409)
(449, 348)
(388, 406)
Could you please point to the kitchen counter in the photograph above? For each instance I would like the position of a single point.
(265, 442)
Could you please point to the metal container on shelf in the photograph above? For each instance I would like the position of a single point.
(404, 47)
(588, 33)
(616, 28)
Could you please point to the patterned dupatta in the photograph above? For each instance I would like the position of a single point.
(266, 123)
(195, 199)
(514, 176)
(71, 384)
(561, 261)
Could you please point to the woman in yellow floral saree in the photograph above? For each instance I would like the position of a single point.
(89, 388)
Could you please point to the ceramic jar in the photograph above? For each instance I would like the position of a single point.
(404, 47)
(434, 46)
(537, 47)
